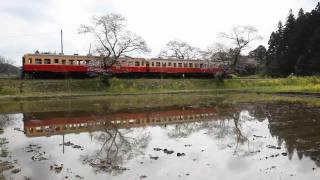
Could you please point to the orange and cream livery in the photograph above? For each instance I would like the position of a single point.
(39, 65)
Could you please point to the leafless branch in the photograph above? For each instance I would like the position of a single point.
(113, 41)
(180, 50)
(241, 36)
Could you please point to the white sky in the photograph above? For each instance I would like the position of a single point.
(30, 25)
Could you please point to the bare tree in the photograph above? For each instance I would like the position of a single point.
(5, 64)
(241, 36)
(114, 41)
(218, 54)
(180, 50)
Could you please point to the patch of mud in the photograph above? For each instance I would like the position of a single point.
(37, 153)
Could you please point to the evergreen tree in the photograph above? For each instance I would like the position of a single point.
(300, 13)
(314, 53)
(274, 52)
(295, 47)
(287, 60)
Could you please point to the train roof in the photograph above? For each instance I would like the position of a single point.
(121, 58)
(57, 55)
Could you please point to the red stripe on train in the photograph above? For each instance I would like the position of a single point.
(117, 70)
(54, 68)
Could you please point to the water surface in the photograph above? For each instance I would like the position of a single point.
(262, 140)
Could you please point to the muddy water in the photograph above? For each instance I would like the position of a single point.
(270, 140)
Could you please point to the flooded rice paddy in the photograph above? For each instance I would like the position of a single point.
(211, 140)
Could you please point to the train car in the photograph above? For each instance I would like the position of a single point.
(40, 65)
(44, 65)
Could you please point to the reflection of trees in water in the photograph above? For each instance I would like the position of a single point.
(7, 119)
(117, 146)
(238, 124)
(298, 126)
(292, 123)
(237, 130)
(183, 130)
(227, 125)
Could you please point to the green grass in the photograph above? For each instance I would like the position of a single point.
(125, 102)
(56, 88)
(290, 84)
(159, 85)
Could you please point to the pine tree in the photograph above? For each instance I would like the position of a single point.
(273, 53)
(295, 48)
(300, 13)
(314, 52)
(287, 60)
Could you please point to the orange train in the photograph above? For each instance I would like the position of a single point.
(40, 65)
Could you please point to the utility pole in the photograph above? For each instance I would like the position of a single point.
(61, 43)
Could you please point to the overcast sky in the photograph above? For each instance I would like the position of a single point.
(30, 25)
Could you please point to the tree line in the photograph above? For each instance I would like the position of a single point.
(294, 48)
(113, 41)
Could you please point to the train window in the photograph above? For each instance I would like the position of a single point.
(152, 64)
(87, 61)
(142, 63)
(158, 64)
(71, 62)
(56, 61)
(137, 63)
(201, 65)
(130, 63)
(174, 64)
(169, 63)
(164, 64)
(47, 61)
(38, 61)
(63, 61)
(79, 62)
(23, 60)
(185, 65)
(196, 65)
(30, 61)
(180, 64)
(190, 65)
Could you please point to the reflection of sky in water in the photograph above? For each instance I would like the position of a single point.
(216, 152)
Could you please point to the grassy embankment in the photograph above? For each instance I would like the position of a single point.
(103, 104)
(73, 87)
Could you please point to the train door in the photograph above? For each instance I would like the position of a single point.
(118, 65)
(147, 67)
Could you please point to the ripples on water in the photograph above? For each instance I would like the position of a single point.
(238, 141)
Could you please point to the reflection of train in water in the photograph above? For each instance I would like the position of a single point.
(53, 65)
(48, 125)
